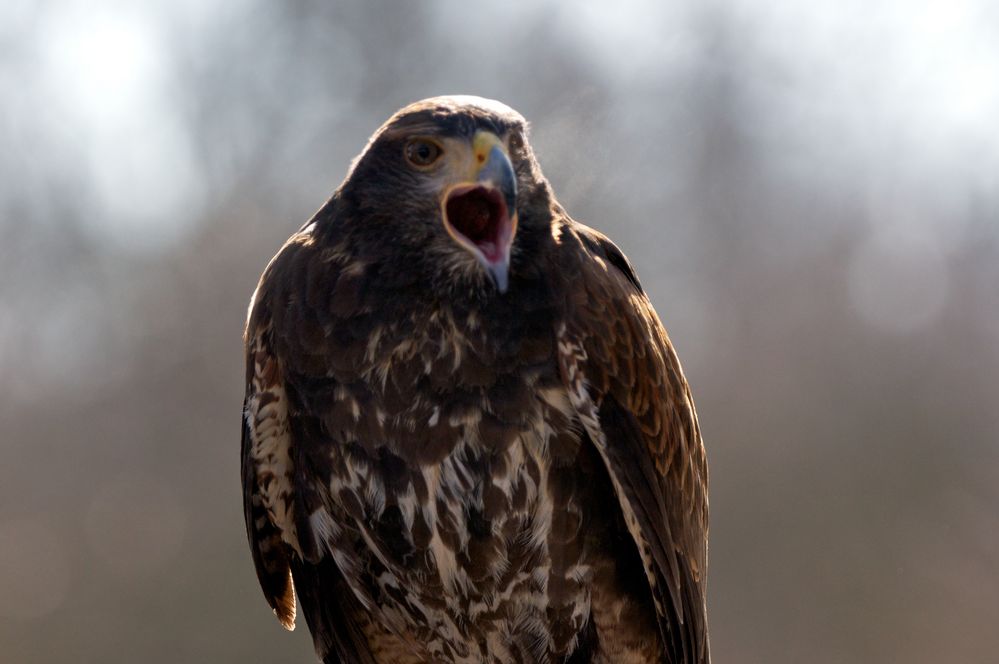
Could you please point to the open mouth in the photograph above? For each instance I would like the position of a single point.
(479, 215)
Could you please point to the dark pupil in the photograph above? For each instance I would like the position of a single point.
(422, 152)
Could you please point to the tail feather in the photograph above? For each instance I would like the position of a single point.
(329, 607)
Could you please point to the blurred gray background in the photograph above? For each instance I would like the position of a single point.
(810, 193)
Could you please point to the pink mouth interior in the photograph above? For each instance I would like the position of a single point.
(480, 215)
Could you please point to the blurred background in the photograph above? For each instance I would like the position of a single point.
(809, 191)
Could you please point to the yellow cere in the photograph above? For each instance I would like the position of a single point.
(482, 144)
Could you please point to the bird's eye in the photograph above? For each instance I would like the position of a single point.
(422, 152)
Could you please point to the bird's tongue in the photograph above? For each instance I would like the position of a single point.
(480, 215)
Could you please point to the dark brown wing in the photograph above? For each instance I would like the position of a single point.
(625, 382)
(273, 490)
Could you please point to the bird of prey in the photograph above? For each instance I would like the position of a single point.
(466, 435)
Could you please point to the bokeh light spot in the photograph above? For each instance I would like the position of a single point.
(898, 280)
(112, 79)
(106, 63)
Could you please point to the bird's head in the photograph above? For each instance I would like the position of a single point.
(445, 180)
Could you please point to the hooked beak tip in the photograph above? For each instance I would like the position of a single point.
(500, 273)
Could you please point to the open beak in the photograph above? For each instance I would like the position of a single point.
(480, 214)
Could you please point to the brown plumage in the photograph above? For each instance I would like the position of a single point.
(467, 437)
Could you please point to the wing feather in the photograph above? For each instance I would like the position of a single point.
(626, 384)
(285, 551)
(266, 471)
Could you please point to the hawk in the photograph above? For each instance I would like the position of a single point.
(466, 435)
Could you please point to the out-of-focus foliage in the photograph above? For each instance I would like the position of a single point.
(808, 190)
